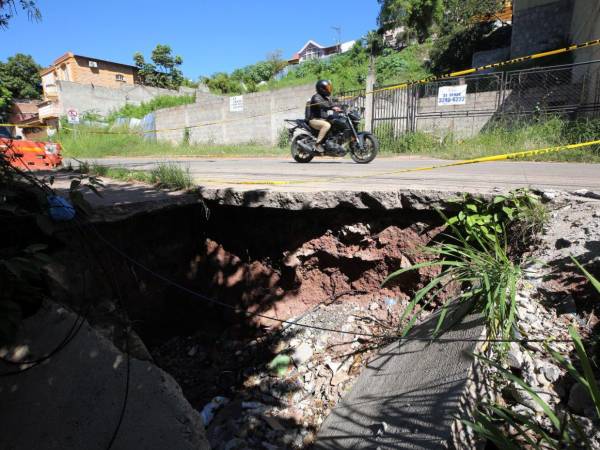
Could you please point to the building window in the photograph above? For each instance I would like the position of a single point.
(119, 77)
(312, 53)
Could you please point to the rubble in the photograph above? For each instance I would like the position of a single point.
(548, 302)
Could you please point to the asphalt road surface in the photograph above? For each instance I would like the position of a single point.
(382, 174)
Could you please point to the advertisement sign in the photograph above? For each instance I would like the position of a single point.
(452, 95)
(236, 104)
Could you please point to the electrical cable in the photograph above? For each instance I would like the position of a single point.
(293, 323)
(77, 327)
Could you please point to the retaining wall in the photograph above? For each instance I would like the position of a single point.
(103, 100)
(211, 120)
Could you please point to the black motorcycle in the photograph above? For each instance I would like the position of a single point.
(342, 138)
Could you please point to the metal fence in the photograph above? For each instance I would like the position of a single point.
(570, 90)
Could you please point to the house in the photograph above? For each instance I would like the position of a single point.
(86, 70)
(24, 114)
(314, 50)
(394, 38)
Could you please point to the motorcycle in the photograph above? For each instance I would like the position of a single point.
(342, 138)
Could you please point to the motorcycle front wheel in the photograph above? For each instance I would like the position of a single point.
(298, 153)
(368, 152)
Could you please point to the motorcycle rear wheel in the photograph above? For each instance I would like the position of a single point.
(298, 153)
(369, 152)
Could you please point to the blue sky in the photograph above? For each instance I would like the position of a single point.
(210, 35)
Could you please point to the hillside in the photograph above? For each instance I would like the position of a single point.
(348, 71)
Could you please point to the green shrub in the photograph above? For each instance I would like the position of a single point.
(519, 214)
(171, 176)
(477, 260)
(283, 138)
(144, 108)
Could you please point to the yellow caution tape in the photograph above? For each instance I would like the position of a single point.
(388, 88)
(24, 126)
(483, 159)
(464, 72)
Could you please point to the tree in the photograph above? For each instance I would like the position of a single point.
(418, 16)
(8, 9)
(19, 78)
(164, 72)
(20, 75)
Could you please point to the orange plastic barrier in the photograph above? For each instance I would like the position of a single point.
(32, 155)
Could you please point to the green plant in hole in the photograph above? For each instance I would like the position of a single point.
(475, 260)
(519, 214)
(483, 273)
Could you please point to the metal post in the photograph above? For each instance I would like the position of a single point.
(369, 103)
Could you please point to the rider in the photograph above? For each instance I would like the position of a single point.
(321, 111)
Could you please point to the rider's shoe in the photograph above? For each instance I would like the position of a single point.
(319, 148)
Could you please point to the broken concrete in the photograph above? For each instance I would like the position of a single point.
(408, 396)
(73, 400)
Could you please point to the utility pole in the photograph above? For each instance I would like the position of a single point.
(338, 31)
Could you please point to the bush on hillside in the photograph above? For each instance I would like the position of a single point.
(160, 102)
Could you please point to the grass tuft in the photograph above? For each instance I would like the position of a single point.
(168, 176)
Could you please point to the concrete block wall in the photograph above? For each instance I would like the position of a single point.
(104, 100)
(540, 25)
(210, 120)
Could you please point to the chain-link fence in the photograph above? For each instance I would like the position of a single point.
(571, 90)
(464, 106)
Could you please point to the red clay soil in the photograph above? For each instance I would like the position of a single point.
(350, 262)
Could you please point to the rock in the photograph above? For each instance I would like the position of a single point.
(514, 357)
(373, 306)
(562, 243)
(549, 195)
(339, 377)
(354, 233)
(333, 365)
(274, 423)
(390, 302)
(551, 372)
(566, 305)
(587, 193)
(302, 354)
(579, 399)
(381, 429)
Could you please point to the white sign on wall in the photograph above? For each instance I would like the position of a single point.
(236, 104)
(73, 116)
(452, 95)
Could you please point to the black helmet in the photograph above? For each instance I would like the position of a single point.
(324, 87)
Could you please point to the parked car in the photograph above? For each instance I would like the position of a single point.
(24, 153)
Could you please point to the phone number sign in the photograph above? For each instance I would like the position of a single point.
(452, 95)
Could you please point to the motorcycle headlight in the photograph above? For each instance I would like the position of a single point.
(50, 147)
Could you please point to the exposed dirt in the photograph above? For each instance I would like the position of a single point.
(351, 260)
(322, 267)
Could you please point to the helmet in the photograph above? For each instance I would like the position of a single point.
(324, 87)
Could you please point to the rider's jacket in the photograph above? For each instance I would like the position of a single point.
(319, 105)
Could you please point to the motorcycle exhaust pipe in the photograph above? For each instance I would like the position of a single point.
(306, 147)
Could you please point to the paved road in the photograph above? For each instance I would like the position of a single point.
(343, 174)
